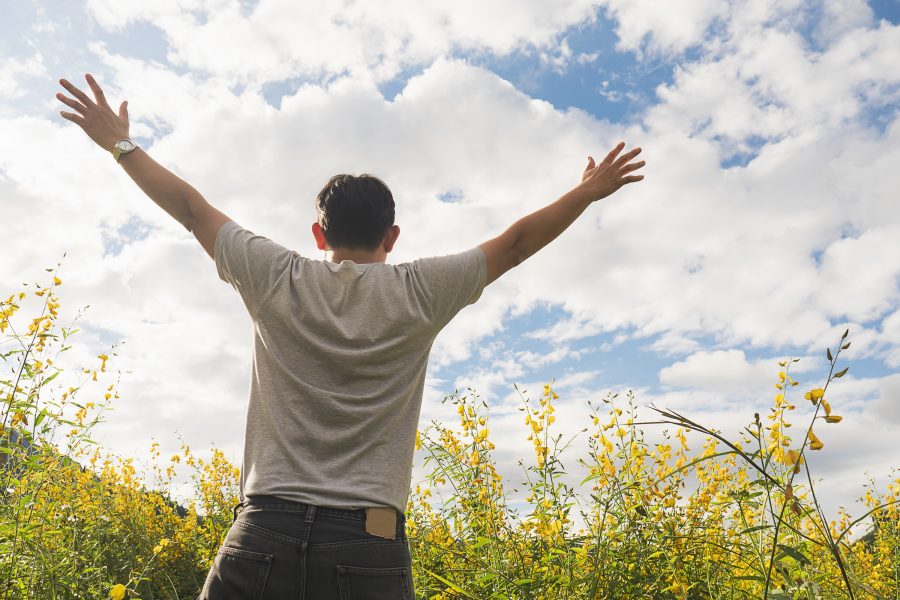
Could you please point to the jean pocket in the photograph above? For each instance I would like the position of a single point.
(237, 573)
(370, 583)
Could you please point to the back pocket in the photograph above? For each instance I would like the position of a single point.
(237, 573)
(368, 583)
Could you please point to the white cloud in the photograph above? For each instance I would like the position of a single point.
(840, 17)
(726, 372)
(663, 26)
(13, 71)
(692, 254)
(887, 405)
(282, 39)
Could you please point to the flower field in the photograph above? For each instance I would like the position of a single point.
(730, 518)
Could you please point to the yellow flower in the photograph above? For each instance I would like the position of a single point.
(833, 419)
(814, 395)
(57, 281)
(117, 592)
(791, 457)
(781, 375)
(157, 549)
(814, 442)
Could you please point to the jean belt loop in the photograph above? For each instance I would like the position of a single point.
(234, 510)
(310, 513)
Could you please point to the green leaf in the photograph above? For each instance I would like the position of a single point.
(452, 585)
(846, 333)
(522, 581)
(479, 542)
(794, 553)
(757, 528)
(841, 373)
(845, 346)
(828, 354)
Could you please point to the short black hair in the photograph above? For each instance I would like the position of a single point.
(355, 212)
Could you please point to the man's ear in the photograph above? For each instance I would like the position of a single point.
(317, 232)
(390, 238)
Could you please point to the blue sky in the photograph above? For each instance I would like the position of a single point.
(766, 226)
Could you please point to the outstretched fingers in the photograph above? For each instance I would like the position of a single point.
(77, 119)
(71, 103)
(613, 153)
(630, 179)
(626, 157)
(631, 167)
(95, 87)
(87, 102)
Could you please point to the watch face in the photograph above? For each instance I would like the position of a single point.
(125, 145)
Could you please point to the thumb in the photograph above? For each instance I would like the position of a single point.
(123, 110)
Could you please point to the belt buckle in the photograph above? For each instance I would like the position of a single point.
(382, 522)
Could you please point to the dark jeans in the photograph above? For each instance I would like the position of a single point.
(282, 550)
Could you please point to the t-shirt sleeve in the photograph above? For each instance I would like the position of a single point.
(251, 263)
(451, 282)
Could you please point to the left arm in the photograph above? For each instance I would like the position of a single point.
(170, 192)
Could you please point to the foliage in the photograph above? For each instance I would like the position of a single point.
(734, 519)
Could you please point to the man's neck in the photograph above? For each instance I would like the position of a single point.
(359, 256)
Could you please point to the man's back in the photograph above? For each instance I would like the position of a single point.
(340, 354)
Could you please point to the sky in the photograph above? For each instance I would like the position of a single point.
(766, 225)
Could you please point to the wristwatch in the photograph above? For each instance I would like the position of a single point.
(122, 147)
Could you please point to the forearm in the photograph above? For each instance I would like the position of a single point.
(170, 192)
(534, 231)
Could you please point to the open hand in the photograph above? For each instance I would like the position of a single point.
(599, 181)
(95, 117)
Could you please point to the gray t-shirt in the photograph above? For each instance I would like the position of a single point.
(339, 359)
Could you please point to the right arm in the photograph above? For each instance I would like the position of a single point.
(532, 232)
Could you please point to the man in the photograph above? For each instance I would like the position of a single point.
(340, 353)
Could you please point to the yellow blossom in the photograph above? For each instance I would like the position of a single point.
(814, 442)
(117, 592)
(814, 395)
(833, 419)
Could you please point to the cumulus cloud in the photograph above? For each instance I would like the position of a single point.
(282, 39)
(723, 371)
(766, 220)
(13, 71)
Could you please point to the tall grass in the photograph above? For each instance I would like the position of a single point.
(735, 518)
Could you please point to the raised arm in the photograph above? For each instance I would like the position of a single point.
(170, 192)
(532, 232)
